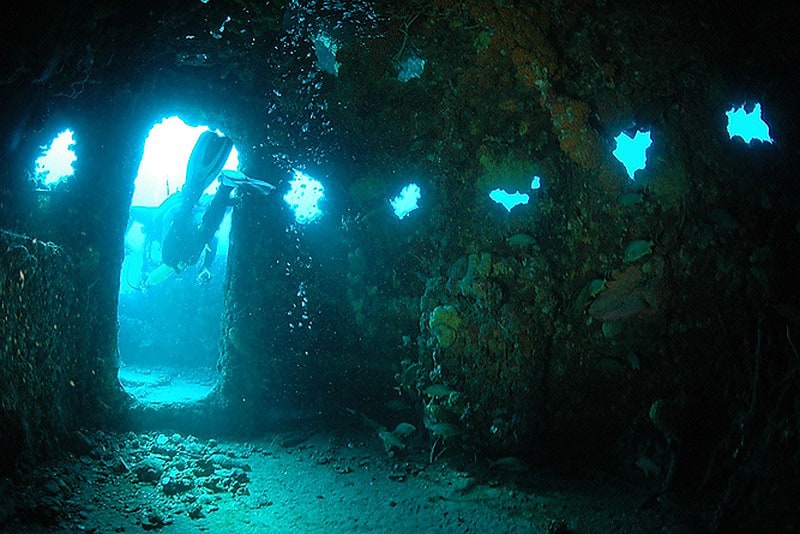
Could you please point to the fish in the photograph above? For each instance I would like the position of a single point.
(408, 378)
(439, 390)
(391, 441)
(444, 430)
(636, 249)
(521, 240)
(404, 429)
(648, 466)
(510, 464)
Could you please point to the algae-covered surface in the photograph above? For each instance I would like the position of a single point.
(304, 481)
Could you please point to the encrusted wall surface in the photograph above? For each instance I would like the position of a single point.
(264, 368)
(609, 318)
(43, 346)
(60, 319)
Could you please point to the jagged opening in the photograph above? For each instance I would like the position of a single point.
(55, 162)
(169, 321)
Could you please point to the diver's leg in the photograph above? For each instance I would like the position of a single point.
(215, 212)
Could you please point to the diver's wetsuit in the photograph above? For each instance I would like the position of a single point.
(186, 240)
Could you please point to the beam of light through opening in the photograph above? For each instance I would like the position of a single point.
(303, 197)
(406, 201)
(509, 200)
(748, 126)
(412, 66)
(56, 161)
(632, 151)
(166, 154)
(162, 172)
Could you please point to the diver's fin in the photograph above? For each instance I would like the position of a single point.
(236, 179)
(208, 157)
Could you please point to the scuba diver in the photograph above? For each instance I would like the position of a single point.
(154, 220)
(185, 232)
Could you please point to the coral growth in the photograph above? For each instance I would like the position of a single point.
(577, 139)
(444, 324)
(632, 291)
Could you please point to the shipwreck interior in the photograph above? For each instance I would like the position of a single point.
(169, 329)
(552, 237)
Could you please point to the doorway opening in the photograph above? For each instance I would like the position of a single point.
(170, 317)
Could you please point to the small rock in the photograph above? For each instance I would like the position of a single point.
(174, 485)
(148, 470)
(213, 483)
(196, 512)
(152, 520)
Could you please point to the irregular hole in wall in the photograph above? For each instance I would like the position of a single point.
(55, 163)
(304, 196)
(747, 122)
(631, 150)
(411, 66)
(407, 201)
(170, 322)
(509, 200)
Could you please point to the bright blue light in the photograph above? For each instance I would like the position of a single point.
(748, 126)
(304, 196)
(536, 183)
(56, 161)
(509, 200)
(632, 151)
(162, 170)
(406, 201)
